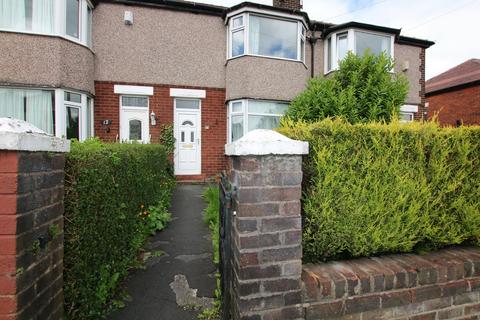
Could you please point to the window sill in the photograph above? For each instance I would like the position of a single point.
(266, 57)
(64, 37)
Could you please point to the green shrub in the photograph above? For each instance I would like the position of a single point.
(212, 218)
(107, 188)
(377, 188)
(362, 90)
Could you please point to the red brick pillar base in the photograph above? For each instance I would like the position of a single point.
(266, 169)
(31, 222)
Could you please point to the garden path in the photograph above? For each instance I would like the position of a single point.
(183, 275)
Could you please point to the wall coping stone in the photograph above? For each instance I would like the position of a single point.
(263, 142)
(20, 135)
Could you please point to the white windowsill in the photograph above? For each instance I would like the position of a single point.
(267, 57)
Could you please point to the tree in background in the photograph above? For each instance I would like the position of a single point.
(363, 89)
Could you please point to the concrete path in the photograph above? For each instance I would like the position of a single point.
(185, 265)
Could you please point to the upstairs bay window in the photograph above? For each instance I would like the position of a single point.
(258, 35)
(71, 19)
(248, 115)
(359, 42)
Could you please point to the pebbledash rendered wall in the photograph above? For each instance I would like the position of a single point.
(269, 281)
(31, 222)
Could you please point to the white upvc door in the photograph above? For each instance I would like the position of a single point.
(134, 125)
(187, 131)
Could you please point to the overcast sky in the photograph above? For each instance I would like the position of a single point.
(453, 25)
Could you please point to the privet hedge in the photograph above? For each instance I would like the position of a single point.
(109, 191)
(377, 188)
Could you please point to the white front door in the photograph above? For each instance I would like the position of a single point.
(187, 129)
(134, 126)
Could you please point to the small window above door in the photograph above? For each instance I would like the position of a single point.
(134, 102)
(187, 103)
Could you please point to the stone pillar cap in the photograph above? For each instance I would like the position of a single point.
(23, 136)
(264, 142)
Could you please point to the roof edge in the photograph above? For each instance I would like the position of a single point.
(452, 88)
(354, 24)
(415, 42)
(267, 7)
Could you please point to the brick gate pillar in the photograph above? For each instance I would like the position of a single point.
(31, 222)
(265, 167)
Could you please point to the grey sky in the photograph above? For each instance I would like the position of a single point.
(453, 25)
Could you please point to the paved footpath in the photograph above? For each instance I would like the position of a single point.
(185, 265)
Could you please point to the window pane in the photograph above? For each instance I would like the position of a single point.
(39, 109)
(187, 104)
(267, 107)
(262, 122)
(192, 136)
(302, 50)
(89, 117)
(129, 101)
(342, 46)
(237, 22)
(89, 26)
(376, 43)
(272, 37)
(12, 14)
(73, 123)
(182, 139)
(72, 97)
(71, 21)
(135, 127)
(237, 106)
(237, 127)
(405, 116)
(34, 106)
(238, 47)
(41, 18)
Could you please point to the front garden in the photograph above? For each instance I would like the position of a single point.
(116, 196)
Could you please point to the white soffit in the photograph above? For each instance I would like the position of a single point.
(409, 108)
(187, 93)
(137, 90)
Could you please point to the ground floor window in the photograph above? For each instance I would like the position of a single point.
(34, 106)
(247, 115)
(59, 112)
(406, 116)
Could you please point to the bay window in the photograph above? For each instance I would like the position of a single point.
(248, 115)
(259, 35)
(57, 112)
(34, 106)
(71, 19)
(356, 41)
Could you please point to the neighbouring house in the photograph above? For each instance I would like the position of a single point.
(121, 69)
(454, 96)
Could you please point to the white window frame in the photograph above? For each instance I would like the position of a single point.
(245, 27)
(60, 113)
(59, 25)
(351, 45)
(245, 113)
(410, 114)
(82, 113)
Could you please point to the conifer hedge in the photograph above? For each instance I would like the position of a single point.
(109, 191)
(379, 188)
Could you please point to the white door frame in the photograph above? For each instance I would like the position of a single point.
(123, 109)
(198, 113)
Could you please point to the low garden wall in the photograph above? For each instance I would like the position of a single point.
(116, 195)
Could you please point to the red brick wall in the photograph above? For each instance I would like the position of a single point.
(420, 115)
(288, 4)
(462, 104)
(214, 115)
(31, 257)
(440, 285)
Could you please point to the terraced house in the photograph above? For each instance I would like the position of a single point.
(121, 69)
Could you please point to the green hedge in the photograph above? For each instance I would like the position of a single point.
(115, 196)
(377, 188)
